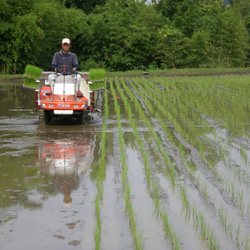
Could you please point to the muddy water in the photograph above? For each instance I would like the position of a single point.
(175, 175)
(46, 184)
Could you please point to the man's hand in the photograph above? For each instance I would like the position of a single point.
(74, 70)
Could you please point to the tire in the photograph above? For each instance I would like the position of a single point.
(81, 118)
(47, 117)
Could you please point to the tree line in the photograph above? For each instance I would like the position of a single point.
(121, 35)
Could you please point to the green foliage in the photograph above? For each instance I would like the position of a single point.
(29, 36)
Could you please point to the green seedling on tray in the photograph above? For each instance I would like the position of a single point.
(96, 85)
(32, 74)
(97, 74)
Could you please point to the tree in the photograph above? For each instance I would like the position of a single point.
(167, 8)
(33, 28)
(229, 40)
(86, 5)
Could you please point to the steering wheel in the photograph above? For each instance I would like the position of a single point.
(65, 69)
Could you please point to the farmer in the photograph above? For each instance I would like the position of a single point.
(65, 57)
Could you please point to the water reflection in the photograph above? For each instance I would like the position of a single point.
(63, 159)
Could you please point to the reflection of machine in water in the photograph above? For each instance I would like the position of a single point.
(65, 157)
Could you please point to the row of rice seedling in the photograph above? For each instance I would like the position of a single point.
(126, 186)
(211, 102)
(221, 137)
(193, 144)
(233, 193)
(153, 187)
(144, 91)
(231, 183)
(100, 177)
(183, 196)
(205, 227)
(201, 148)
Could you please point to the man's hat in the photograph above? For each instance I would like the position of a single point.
(65, 40)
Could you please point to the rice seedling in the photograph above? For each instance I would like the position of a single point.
(206, 230)
(247, 247)
(97, 74)
(99, 179)
(32, 73)
(202, 153)
(185, 110)
(96, 85)
(238, 232)
(127, 194)
(153, 186)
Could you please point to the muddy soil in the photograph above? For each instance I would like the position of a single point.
(164, 166)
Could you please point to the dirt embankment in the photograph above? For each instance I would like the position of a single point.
(5, 79)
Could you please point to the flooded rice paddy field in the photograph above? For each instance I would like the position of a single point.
(164, 166)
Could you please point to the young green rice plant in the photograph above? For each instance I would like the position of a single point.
(126, 187)
(97, 233)
(97, 74)
(248, 209)
(206, 231)
(99, 179)
(247, 247)
(184, 196)
(183, 193)
(236, 195)
(154, 186)
(188, 137)
(176, 244)
(223, 215)
(238, 232)
(96, 85)
(146, 119)
(32, 73)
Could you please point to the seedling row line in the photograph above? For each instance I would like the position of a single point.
(152, 185)
(126, 187)
(100, 178)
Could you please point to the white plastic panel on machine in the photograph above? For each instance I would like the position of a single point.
(67, 89)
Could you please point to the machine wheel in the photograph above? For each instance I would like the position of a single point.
(81, 118)
(47, 117)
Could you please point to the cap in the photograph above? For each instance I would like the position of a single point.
(65, 40)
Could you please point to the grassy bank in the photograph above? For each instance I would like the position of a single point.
(184, 72)
(6, 78)
(167, 72)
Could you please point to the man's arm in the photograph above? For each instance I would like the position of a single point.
(75, 63)
(54, 62)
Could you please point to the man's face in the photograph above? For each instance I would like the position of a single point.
(65, 47)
